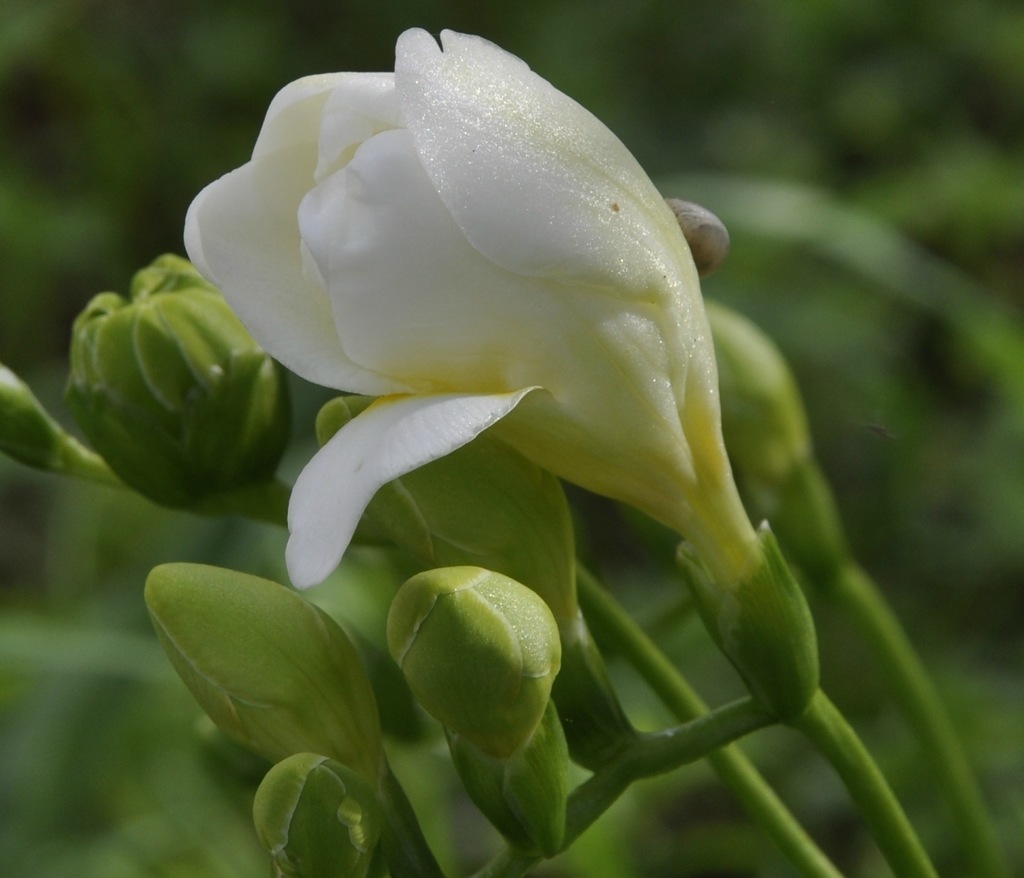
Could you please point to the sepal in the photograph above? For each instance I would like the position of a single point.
(524, 796)
(764, 627)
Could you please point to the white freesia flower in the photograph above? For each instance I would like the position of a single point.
(468, 243)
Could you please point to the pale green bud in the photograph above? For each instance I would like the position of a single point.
(763, 420)
(525, 795)
(173, 392)
(483, 505)
(317, 819)
(27, 432)
(766, 432)
(480, 652)
(764, 627)
(272, 671)
(488, 506)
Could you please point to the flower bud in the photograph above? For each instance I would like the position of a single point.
(705, 234)
(27, 432)
(766, 432)
(525, 795)
(31, 436)
(764, 627)
(317, 818)
(483, 505)
(271, 670)
(763, 421)
(480, 653)
(169, 387)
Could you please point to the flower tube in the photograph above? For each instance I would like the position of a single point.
(466, 242)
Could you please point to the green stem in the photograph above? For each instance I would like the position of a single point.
(267, 502)
(809, 526)
(617, 629)
(913, 690)
(406, 850)
(657, 753)
(829, 731)
(645, 756)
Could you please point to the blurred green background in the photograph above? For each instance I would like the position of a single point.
(868, 159)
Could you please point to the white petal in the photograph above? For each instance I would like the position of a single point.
(293, 117)
(392, 437)
(242, 234)
(535, 181)
(413, 300)
(361, 105)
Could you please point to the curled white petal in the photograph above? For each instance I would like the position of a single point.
(293, 117)
(535, 181)
(393, 436)
(242, 235)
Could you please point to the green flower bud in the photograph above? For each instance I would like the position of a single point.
(764, 627)
(525, 795)
(170, 388)
(317, 818)
(272, 670)
(480, 653)
(487, 506)
(27, 432)
(766, 432)
(763, 420)
(31, 436)
(483, 505)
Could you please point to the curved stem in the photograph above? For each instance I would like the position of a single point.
(645, 756)
(406, 850)
(809, 526)
(915, 693)
(657, 753)
(829, 731)
(614, 626)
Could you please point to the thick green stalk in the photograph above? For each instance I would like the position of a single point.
(833, 736)
(616, 628)
(915, 693)
(657, 753)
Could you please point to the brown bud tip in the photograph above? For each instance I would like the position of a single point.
(704, 232)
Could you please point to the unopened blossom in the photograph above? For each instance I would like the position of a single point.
(466, 242)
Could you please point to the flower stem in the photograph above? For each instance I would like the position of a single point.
(645, 756)
(657, 753)
(913, 690)
(833, 736)
(614, 626)
(406, 850)
(809, 526)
